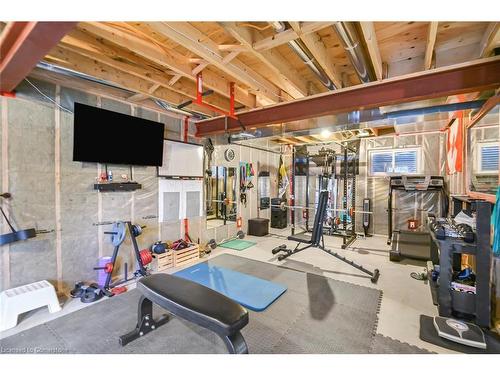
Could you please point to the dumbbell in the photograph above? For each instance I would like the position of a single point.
(278, 249)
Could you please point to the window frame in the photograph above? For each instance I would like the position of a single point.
(479, 157)
(393, 152)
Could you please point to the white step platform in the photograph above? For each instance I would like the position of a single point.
(16, 301)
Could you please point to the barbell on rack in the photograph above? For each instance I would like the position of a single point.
(283, 206)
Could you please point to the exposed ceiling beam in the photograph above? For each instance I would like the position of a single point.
(70, 60)
(82, 44)
(23, 45)
(286, 36)
(275, 40)
(478, 75)
(231, 55)
(232, 48)
(431, 41)
(368, 31)
(166, 58)
(195, 41)
(490, 40)
(318, 50)
(199, 68)
(137, 97)
(174, 79)
(285, 77)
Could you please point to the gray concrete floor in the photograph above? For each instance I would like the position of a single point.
(404, 299)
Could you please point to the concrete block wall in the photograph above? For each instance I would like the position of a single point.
(52, 192)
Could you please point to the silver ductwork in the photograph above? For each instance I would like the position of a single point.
(74, 74)
(351, 41)
(305, 55)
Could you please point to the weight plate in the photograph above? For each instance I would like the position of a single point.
(119, 232)
(229, 154)
(136, 230)
(240, 234)
(212, 243)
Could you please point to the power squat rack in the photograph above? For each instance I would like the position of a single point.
(338, 169)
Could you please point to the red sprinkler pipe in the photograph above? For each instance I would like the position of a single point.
(186, 128)
(199, 98)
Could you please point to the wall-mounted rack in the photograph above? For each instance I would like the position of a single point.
(117, 186)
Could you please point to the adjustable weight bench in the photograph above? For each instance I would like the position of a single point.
(193, 302)
(317, 240)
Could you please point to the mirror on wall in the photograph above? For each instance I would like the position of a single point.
(264, 190)
(221, 196)
(483, 153)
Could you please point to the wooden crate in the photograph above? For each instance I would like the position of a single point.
(186, 256)
(164, 261)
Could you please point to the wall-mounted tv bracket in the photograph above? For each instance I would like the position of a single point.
(15, 235)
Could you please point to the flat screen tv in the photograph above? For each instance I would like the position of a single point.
(109, 137)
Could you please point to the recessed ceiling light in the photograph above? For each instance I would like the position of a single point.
(363, 133)
(325, 133)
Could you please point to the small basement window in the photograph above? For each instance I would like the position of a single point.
(396, 161)
(487, 158)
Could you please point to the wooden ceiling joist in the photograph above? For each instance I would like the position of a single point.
(165, 58)
(103, 54)
(431, 41)
(232, 48)
(458, 79)
(286, 36)
(139, 97)
(231, 55)
(70, 60)
(370, 37)
(285, 77)
(192, 39)
(319, 52)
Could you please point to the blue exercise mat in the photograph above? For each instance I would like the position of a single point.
(249, 291)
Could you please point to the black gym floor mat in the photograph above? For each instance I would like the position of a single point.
(428, 333)
(315, 315)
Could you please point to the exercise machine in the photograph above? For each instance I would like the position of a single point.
(317, 240)
(415, 241)
(338, 171)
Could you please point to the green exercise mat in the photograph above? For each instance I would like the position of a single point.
(237, 244)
